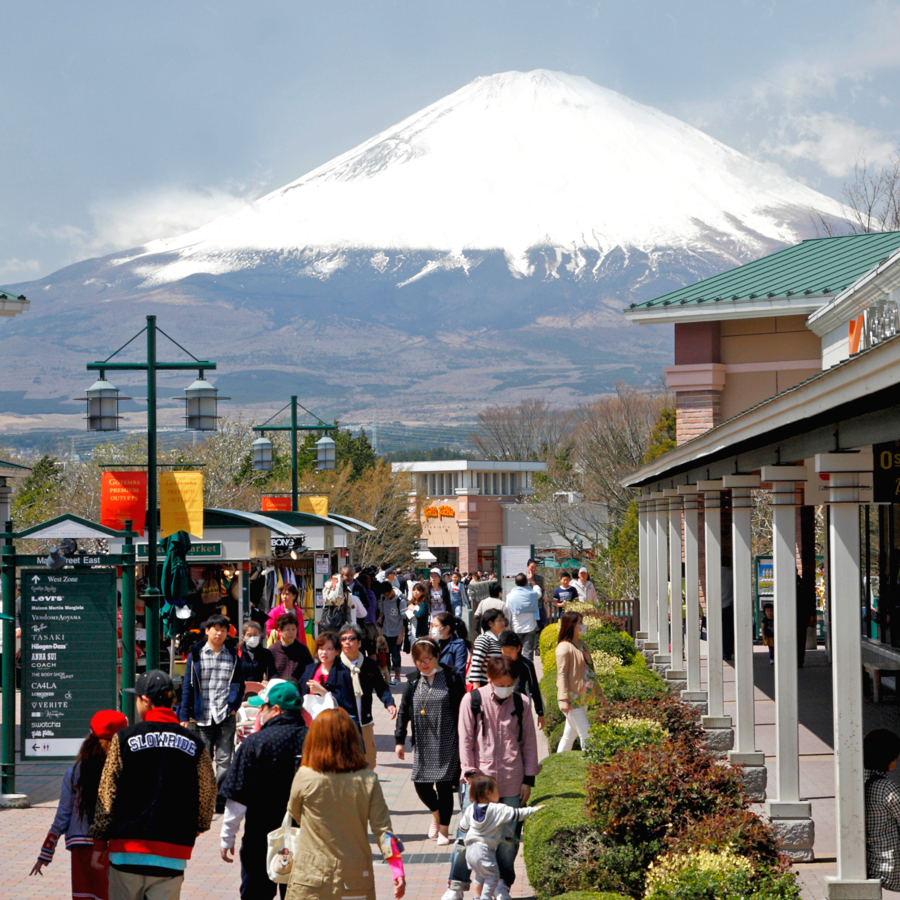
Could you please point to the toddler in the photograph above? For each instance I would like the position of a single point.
(483, 823)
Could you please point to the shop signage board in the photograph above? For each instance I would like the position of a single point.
(68, 657)
(123, 498)
(181, 503)
(886, 475)
(323, 564)
(514, 560)
(276, 504)
(199, 550)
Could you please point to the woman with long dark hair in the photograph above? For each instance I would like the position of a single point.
(452, 637)
(431, 706)
(418, 605)
(438, 592)
(574, 680)
(75, 813)
(335, 798)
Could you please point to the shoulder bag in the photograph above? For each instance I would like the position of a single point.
(281, 851)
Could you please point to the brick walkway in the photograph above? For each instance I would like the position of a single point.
(22, 832)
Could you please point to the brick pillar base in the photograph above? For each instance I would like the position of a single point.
(467, 519)
(695, 413)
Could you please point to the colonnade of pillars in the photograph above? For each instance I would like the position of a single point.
(669, 533)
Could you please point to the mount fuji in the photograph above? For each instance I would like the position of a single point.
(477, 252)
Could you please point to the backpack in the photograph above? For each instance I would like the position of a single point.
(518, 710)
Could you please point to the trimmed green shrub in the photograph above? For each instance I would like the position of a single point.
(626, 732)
(633, 683)
(618, 643)
(680, 720)
(588, 895)
(548, 640)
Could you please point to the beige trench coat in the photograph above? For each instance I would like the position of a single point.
(334, 812)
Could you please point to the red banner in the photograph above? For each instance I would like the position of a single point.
(276, 504)
(123, 496)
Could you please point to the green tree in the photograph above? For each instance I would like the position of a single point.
(662, 438)
(38, 496)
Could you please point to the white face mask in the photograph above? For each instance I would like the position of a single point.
(252, 641)
(435, 634)
(503, 692)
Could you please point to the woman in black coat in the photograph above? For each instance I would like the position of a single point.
(431, 705)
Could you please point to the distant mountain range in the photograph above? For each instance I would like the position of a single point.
(477, 252)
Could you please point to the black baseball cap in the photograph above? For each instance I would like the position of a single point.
(153, 684)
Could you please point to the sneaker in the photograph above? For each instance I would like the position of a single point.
(451, 894)
(395, 680)
(442, 840)
(433, 830)
(501, 892)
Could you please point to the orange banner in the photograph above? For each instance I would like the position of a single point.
(123, 496)
(276, 504)
(316, 505)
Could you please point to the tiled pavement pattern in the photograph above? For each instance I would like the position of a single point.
(209, 878)
(23, 831)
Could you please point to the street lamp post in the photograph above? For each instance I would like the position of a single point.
(200, 416)
(262, 447)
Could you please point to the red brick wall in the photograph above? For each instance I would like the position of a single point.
(695, 413)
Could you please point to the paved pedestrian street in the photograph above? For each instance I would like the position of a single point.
(210, 878)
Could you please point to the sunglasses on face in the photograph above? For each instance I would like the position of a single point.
(349, 640)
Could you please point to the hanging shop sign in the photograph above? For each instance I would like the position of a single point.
(886, 472)
(123, 497)
(181, 503)
(208, 550)
(323, 564)
(276, 504)
(68, 657)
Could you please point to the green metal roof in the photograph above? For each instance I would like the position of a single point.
(816, 267)
(11, 465)
(6, 295)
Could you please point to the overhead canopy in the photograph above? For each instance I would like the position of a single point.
(235, 518)
(305, 519)
(69, 526)
(424, 556)
(365, 526)
(853, 404)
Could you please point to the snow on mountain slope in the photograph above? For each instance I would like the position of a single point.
(509, 162)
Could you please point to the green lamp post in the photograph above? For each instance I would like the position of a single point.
(201, 414)
(262, 446)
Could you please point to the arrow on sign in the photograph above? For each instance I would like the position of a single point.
(35, 747)
(35, 579)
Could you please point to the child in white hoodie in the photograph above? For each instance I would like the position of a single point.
(483, 824)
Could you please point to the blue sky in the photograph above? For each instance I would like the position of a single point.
(124, 122)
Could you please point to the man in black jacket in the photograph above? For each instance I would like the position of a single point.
(259, 784)
(523, 671)
(157, 793)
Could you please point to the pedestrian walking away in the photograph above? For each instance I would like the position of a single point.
(334, 800)
(157, 793)
(494, 623)
(524, 604)
(493, 600)
(452, 637)
(523, 671)
(537, 581)
(483, 825)
(497, 737)
(575, 680)
(258, 786)
(881, 749)
(353, 679)
(392, 606)
(77, 806)
(213, 692)
(430, 706)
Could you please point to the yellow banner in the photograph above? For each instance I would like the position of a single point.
(316, 505)
(181, 503)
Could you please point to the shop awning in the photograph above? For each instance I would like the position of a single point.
(424, 556)
(235, 518)
(853, 404)
(12, 470)
(365, 526)
(305, 519)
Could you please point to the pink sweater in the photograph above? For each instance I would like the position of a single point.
(280, 611)
(495, 749)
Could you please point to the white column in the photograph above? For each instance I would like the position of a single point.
(663, 657)
(712, 514)
(676, 673)
(846, 673)
(693, 694)
(651, 627)
(788, 805)
(644, 568)
(744, 753)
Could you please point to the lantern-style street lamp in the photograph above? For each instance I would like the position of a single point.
(262, 454)
(200, 415)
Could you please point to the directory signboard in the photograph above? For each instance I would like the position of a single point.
(68, 657)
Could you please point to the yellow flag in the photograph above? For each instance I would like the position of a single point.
(181, 503)
(316, 505)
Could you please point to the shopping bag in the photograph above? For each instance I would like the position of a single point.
(280, 853)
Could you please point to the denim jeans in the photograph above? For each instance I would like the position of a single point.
(507, 849)
(219, 740)
(394, 647)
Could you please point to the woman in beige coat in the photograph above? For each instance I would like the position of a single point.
(334, 799)
(574, 680)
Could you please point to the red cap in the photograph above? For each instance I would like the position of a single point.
(106, 723)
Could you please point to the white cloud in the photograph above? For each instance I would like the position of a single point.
(831, 141)
(133, 221)
(15, 269)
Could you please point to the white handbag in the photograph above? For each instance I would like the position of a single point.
(281, 851)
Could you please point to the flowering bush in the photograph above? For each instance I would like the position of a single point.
(681, 721)
(579, 606)
(730, 829)
(605, 663)
(723, 876)
(623, 732)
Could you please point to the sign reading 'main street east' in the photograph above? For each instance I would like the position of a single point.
(68, 656)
